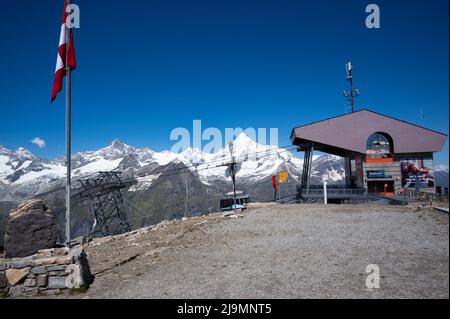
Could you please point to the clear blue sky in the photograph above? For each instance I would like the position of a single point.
(146, 67)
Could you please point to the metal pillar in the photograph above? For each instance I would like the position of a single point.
(232, 168)
(307, 164)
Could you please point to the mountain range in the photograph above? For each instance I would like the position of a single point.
(166, 185)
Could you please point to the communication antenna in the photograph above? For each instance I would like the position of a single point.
(352, 93)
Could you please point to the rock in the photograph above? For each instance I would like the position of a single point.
(44, 261)
(30, 291)
(52, 291)
(76, 253)
(80, 241)
(57, 273)
(63, 260)
(41, 280)
(16, 291)
(56, 268)
(21, 263)
(75, 278)
(44, 253)
(61, 251)
(235, 216)
(14, 276)
(30, 282)
(39, 270)
(231, 212)
(31, 204)
(31, 227)
(3, 281)
(57, 283)
(2, 266)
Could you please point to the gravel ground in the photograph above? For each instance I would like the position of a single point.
(288, 251)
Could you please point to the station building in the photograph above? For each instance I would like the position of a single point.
(382, 154)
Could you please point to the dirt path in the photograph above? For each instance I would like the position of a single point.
(290, 251)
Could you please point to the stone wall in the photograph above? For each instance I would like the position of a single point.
(49, 271)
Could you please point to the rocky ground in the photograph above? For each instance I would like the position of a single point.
(279, 251)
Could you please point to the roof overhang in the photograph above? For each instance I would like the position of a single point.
(349, 133)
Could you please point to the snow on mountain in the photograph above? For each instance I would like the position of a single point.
(327, 167)
(144, 183)
(164, 157)
(6, 168)
(22, 174)
(23, 153)
(99, 164)
(441, 175)
(13, 164)
(255, 161)
(441, 168)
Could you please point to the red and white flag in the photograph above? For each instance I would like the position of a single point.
(61, 61)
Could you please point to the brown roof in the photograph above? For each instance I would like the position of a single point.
(351, 131)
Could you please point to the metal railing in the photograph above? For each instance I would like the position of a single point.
(426, 195)
(335, 192)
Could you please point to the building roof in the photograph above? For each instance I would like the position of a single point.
(349, 132)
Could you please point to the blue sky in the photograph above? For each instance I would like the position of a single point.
(147, 67)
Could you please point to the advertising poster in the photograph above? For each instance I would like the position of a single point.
(417, 172)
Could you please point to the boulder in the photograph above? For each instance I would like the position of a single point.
(40, 270)
(31, 227)
(14, 276)
(41, 280)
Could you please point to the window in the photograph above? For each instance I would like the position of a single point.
(379, 146)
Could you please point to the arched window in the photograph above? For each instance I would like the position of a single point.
(379, 145)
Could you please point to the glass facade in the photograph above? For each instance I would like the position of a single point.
(379, 146)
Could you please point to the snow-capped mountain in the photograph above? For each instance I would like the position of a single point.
(441, 168)
(441, 175)
(23, 175)
(329, 168)
(167, 184)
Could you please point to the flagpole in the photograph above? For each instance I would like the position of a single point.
(68, 134)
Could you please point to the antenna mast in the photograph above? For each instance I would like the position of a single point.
(352, 93)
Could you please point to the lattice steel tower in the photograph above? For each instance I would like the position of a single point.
(106, 202)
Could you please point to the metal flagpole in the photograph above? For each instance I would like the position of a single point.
(68, 134)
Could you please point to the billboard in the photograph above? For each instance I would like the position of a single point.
(282, 177)
(417, 173)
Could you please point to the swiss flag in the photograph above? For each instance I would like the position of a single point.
(60, 71)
